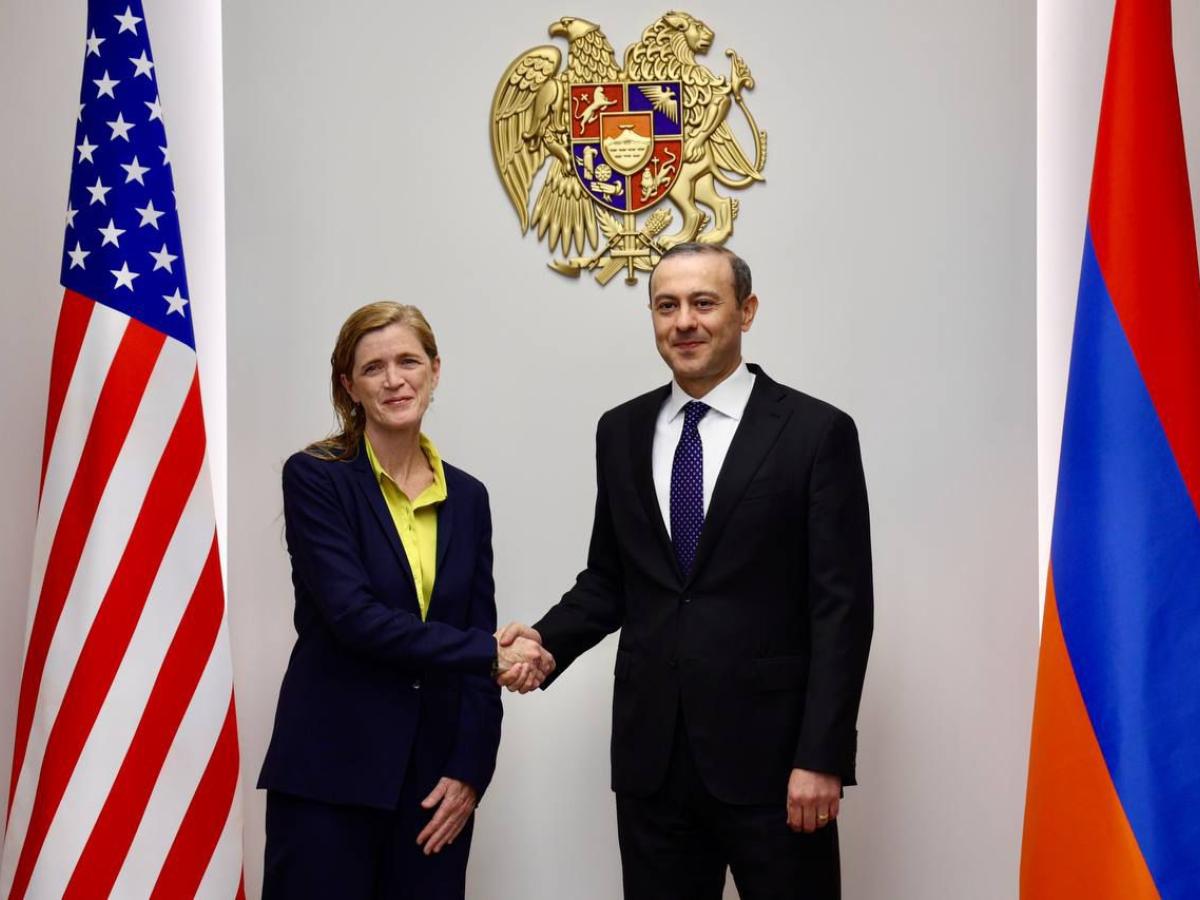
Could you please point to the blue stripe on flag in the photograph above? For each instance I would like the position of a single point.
(1126, 558)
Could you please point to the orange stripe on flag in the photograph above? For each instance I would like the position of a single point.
(1077, 842)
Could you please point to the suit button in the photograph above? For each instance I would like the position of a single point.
(417, 685)
(685, 599)
(674, 664)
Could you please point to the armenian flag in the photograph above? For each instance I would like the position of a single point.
(1113, 801)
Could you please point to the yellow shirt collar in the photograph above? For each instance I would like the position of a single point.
(435, 493)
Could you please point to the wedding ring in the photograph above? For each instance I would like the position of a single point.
(823, 817)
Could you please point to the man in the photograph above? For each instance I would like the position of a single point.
(731, 546)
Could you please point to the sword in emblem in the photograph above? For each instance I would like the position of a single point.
(639, 245)
(621, 251)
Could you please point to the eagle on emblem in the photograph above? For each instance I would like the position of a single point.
(620, 141)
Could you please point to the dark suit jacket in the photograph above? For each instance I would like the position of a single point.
(369, 684)
(765, 644)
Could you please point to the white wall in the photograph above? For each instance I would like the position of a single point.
(41, 66)
(1072, 53)
(893, 249)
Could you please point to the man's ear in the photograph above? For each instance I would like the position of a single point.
(749, 310)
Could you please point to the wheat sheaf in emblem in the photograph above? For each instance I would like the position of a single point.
(620, 141)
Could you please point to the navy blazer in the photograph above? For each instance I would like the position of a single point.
(370, 686)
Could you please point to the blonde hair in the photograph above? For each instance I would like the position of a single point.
(343, 444)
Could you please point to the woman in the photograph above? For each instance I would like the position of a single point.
(389, 718)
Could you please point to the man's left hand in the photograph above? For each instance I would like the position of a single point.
(455, 801)
(812, 800)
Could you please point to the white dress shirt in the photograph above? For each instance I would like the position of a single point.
(727, 402)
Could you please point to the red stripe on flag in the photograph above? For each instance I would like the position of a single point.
(1141, 221)
(102, 857)
(116, 406)
(116, 619)
(205, 819)
(73, 319)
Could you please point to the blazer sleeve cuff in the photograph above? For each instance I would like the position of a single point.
(832, 762)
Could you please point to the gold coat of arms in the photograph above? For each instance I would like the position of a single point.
(620, 141)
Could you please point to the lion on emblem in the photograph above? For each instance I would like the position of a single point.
(532, 120)
(667, 51)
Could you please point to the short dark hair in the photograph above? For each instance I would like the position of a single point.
(742, 284)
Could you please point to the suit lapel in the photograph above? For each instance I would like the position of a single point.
(368, 485)
(641, 445)
(445, 529)
(756, 434)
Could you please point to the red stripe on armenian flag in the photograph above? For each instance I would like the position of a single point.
(1142, 225)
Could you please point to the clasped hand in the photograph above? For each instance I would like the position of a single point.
(523, 662)
(813, 799)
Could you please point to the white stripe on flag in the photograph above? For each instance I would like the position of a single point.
(122, 711)
(115, 517)
(181, 773)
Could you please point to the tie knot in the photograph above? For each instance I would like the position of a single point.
(693, 412)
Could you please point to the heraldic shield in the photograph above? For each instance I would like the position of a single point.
(627, 141)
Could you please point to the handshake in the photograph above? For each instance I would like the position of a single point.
(522, 663)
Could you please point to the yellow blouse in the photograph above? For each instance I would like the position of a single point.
(415, 520)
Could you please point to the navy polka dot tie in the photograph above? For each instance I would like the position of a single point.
(687, 488)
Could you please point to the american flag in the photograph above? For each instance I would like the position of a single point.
(125, 761)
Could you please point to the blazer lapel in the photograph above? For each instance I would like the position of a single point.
(756, 434)
(446, 514)
(445, 528)
(365, 479)
(641, 444)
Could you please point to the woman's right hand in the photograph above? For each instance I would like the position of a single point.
(523, 663)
